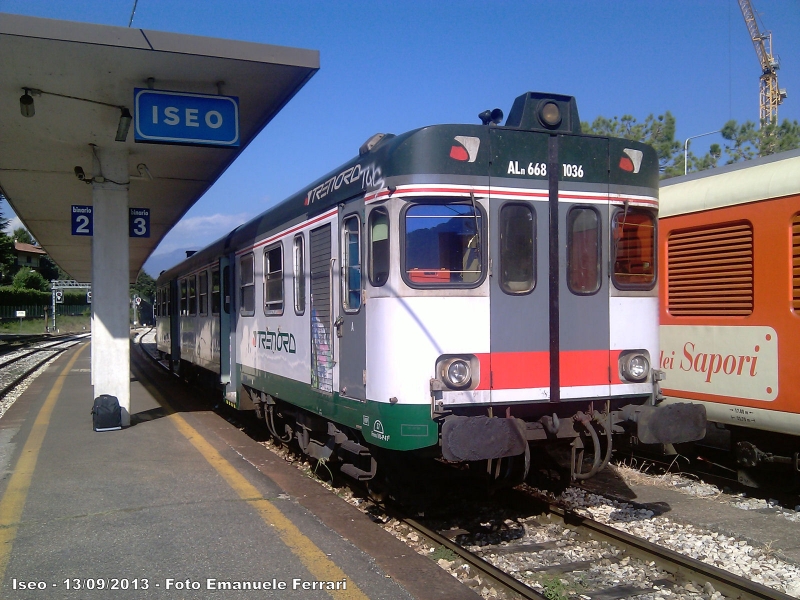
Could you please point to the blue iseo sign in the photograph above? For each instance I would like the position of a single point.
(163, 117)
(82, 221)
(139, 222)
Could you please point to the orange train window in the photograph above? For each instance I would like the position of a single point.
(634, 232)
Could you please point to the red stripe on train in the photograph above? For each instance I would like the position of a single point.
(520, 370)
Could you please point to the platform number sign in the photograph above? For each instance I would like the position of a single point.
(139, 222)
(59, 296)
(89, 297)
(82, 221)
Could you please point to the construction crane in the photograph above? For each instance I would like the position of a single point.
(770, 95)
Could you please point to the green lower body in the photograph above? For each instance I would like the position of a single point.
(391, 426)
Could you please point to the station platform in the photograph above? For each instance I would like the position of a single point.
(180, 505)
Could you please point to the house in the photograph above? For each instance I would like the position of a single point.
(28, 255)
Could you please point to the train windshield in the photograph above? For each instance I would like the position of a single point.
(443, 245)
(634, 238)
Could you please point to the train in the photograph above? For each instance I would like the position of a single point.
(729, 264)
(462, 293)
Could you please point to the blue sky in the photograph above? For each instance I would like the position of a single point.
(391, 66)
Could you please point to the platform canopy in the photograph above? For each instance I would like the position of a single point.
(86, 73)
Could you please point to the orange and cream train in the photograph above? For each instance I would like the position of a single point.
(729, 266)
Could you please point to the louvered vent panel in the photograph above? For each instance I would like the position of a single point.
(796, 262)
(710, 271)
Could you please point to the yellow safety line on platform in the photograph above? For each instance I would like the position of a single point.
(318, 564)
(13, 502)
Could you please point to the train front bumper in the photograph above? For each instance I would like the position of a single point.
(473, 438)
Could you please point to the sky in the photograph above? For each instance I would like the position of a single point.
(392, 66)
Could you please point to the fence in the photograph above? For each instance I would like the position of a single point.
(37, 311)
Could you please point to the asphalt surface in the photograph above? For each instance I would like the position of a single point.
(179, 498)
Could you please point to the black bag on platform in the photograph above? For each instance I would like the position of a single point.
(106, 413)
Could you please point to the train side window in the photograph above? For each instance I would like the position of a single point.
(351, 263)
(517, 248)
(795, 262)
(193, 295)
(247, 298)
(443, 245)
(215, 291)
(634, 249)
(379, 247)
(168, 294)
(202, 292)
(299, 275)
(273, 280)
(184, 297)
(583, 250)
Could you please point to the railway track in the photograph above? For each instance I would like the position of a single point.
(548, 545)
(561, 551)
(17, 366)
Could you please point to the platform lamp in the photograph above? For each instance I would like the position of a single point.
(26, 106)
(124, 125)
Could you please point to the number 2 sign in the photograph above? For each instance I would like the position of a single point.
(82, 222)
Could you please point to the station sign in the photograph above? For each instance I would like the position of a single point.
(164, 117)
(139, 223)
(82, 220)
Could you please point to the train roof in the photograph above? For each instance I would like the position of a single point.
(764, 178)
(423, 155)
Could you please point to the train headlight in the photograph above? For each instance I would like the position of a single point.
(635, 366)
(550, 114)
(456, 373)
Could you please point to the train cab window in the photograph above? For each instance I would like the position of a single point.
(273, 280)
(299, 275)
(583, 250)
(351, 264)
(443, 245)
(379, 247)
(634, 249)
(184, 297)
(193, 295)
(247, 279)
(202, 292)
(517, 248)
(215, 292)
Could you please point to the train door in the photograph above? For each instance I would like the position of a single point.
(227, 329)
(549, 307)
(174, 327)
(583, 283)
(351, 322)
(322, 265)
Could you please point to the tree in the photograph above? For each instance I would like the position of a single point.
(658, 131)
(23, 236)
(28, 279)
(8, 259)
(745, 141)
(145, 287)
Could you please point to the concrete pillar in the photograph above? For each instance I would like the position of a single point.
(110, 287)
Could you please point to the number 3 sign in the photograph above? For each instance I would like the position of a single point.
(139, 222)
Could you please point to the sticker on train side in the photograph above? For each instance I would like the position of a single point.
(738, 362)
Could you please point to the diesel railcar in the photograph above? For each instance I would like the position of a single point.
(457, 291)
(730, 307)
